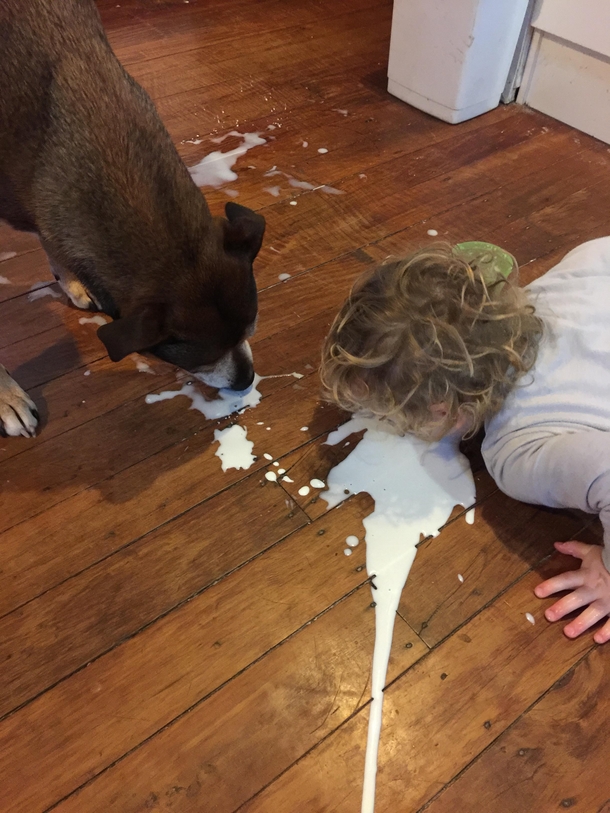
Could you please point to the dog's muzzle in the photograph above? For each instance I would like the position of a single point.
(235, 371)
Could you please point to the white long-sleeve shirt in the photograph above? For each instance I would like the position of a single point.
(550, 442)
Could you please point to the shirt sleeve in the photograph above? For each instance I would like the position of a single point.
(567, 470)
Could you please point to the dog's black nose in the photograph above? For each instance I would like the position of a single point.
(243, 380)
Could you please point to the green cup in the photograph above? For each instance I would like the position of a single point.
(491, 260)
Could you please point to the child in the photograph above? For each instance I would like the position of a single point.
(444, 342)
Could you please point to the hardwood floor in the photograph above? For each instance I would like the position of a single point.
(175, 638)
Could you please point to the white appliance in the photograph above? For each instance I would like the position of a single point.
(452, 58)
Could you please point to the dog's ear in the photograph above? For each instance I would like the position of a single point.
(133, 333)
(244, 231)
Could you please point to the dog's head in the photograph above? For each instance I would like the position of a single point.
(203, 323)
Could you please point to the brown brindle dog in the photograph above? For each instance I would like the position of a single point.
(87, 165)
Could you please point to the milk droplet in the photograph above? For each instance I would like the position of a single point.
(303, 491)
(352, 541)
(283, 277)
(348, 551)
(275, 463)
(304, 428)
(267, 456)
(433, 232)
(315, 483)
(287, 479)
(322, 150)
(281, 471)
(530, 618)
(271, 475)
(293, 203)
(460, 577)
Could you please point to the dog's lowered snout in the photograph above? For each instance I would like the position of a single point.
(235, 371)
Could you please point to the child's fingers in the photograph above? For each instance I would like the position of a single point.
(585, 620)
(573, 548)
(567, 604)
(602, 635)
(563, 581)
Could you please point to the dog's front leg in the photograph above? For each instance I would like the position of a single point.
(18, 413)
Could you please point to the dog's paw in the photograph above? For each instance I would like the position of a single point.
(77, 294)
(18, 413)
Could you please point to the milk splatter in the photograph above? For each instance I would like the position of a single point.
(305, 143)
(433, 232)
(143, 366)
(303, 491)
(348, 551)
(352, 541)
(7, 255)
(228, 402)
(340, 110)
(216, 168)
(415, 486)
(40, 289)
(273, 190)
(4, 281)
(93, 320)
(322, 150)
(460, 578)
(271, 476)
(315, 483)
(296, 184)
(234, 449)
(530, 618)
(283, 277)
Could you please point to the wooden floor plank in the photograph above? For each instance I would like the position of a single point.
(118, 513)
(259, 723)
(553, 758)
(438, 716)
(135, 689)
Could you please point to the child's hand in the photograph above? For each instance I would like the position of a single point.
(590, 585)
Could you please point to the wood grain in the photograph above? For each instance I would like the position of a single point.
(175, 638)
(435, 715)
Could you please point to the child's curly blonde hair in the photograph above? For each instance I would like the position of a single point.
(430, 329)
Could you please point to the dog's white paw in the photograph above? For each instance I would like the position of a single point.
(77, 294)
(18, 413)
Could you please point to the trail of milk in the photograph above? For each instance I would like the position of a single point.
(216, 168)
(415, 486)
(296, 184)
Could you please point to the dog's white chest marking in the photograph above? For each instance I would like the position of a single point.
(415, 486)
